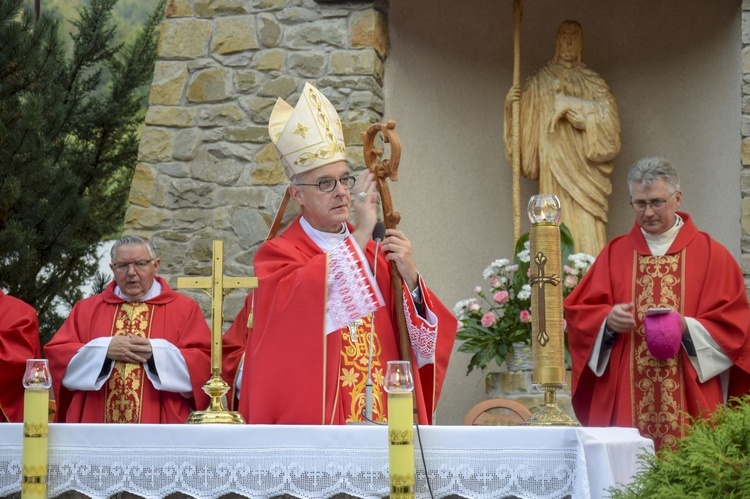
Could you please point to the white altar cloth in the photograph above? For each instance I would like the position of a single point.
(208, 461)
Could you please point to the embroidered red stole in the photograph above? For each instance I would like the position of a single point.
(355, 358)
(658, 391)
(123, 394)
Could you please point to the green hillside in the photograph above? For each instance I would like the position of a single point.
(129, 15)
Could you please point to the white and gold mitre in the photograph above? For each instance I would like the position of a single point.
(309, 135)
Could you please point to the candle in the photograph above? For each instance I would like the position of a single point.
(399, 384)
(37, 381)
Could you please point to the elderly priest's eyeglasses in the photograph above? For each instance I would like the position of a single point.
(655, 204)
(138, 264)
(329, 184)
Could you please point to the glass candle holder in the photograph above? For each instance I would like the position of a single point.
(37, 375)
(398, 377)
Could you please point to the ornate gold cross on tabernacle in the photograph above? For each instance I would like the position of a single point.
(540, 280)
(217, 286)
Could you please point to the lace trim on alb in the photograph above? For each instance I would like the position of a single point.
(349, 293)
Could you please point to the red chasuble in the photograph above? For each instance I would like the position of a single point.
(296, 374)
(128, 396)
(698, 278)
(19, 340)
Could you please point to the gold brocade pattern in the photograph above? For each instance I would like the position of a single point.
(124, 389)
(353, 373)
(658, 392)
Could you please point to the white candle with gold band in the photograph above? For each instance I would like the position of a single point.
(399, 383)
(35, 425)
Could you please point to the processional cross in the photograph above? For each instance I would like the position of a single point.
(540, 280)
(217, 286)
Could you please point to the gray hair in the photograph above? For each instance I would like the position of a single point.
(132, 241)
(648, 170)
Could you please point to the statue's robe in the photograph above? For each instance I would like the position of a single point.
(572, 163)
(127, 392)
(698, 278)
(19, 340)
(295, 371)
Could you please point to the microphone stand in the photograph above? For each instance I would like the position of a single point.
(368, 384)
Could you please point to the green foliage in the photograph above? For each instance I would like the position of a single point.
(68, 148)
(492, 322)
(712, 460)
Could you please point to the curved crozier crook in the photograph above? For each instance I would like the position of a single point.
(386, 169)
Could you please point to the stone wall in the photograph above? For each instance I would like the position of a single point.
(207, 169)
(745, 176)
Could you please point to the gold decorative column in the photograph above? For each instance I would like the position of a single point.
(548, 340)
(399, 383)
(37, 381)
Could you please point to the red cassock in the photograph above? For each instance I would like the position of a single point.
(169, 316)
(698, 278)
(296, 374)
(19, 340)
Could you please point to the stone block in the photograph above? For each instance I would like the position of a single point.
(139, 218)
(210, 85)
(185, 195)
(155, 145)
(745, 151)
(179, 8)
(270, 174)
(169, 83)
(171, 116)
(317, 34)
(251, 133)
(369, 29)
(271, 60)
(219, 8)
(357, 62)
(184, 38)
(216, 171)
(259, 109)
(142, 186)
(234, 34)
(187, 143)
(246, 80)
(297, 15)
(221, 115)
(270, 31)
(353, 132)
(745, 221)
(307, 65)
(283, 87)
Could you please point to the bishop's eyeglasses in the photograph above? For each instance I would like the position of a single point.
(138, 264)
(655, 204)
(329, 184)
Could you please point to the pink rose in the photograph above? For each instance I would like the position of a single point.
(570, 281)
(489, 319)
(524, 316)
(501, 297)
(495, 283)
(474, 307)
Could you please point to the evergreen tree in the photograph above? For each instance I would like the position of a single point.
(69, 131)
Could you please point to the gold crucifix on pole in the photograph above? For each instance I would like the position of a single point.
(217, 286)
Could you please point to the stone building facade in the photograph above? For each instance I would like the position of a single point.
(207, 169)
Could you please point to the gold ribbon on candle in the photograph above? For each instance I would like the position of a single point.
(399, 383)
(37, 381)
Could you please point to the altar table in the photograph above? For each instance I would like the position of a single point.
(208, 461)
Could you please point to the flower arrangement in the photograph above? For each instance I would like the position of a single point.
(496, 319)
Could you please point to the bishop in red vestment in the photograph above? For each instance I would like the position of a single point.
(19, 340)
(139, 352)
(322, 322)
(664, 262)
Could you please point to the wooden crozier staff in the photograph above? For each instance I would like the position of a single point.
(388, 168)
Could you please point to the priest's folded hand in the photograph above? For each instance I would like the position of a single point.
(133, 349)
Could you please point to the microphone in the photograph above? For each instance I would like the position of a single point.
(378, 233)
